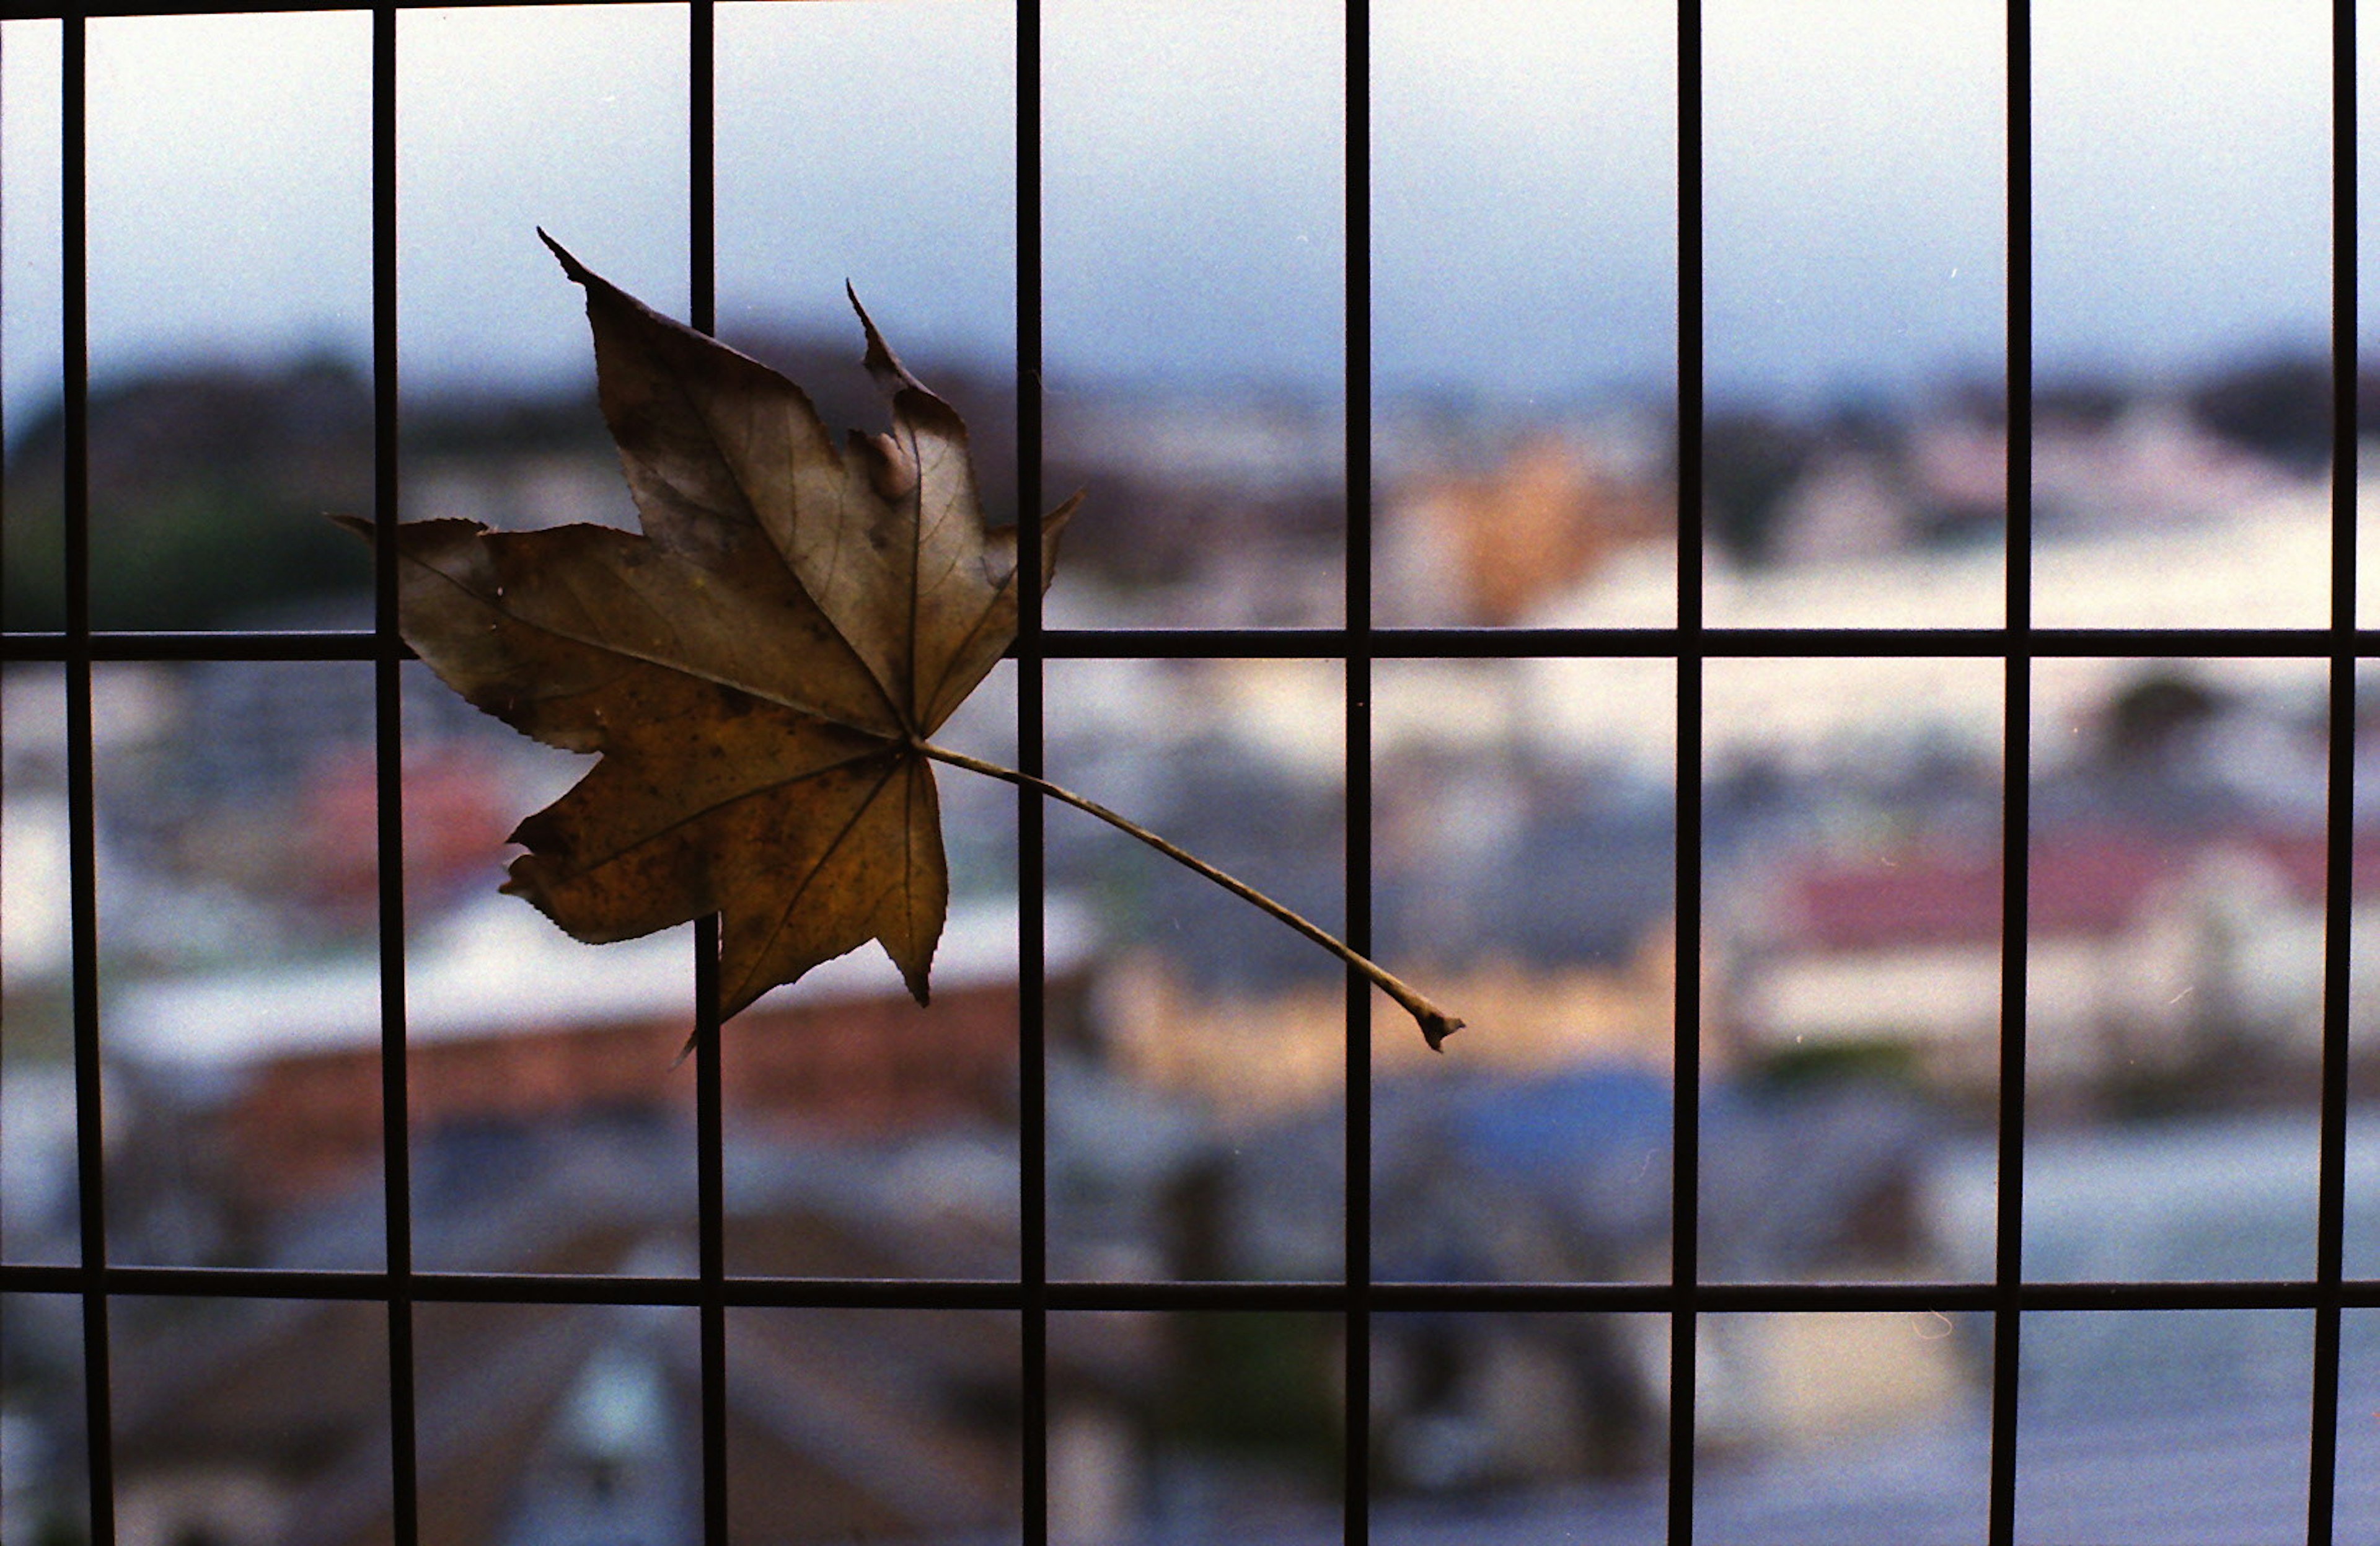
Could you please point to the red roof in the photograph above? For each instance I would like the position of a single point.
(1924, 898)
(2091, 882)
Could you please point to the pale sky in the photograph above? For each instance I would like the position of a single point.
(1524, 169)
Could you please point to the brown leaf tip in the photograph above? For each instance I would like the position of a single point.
(578, 271)
(891, 377)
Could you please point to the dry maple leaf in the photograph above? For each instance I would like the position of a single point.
(761, 669)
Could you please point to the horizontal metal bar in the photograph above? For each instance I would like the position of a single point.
(203, 645)
(1004, 1294)
(596, 1288)
(100, 8)
(537, 1288)
(1378, 644)
(1710, 644)
(1840, 1297)
(1663, 1298)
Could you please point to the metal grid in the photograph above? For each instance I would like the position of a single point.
(712, 1292)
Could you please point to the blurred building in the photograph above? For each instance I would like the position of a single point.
(261, 1091)
(1245, 1055)
(2147, 962)
(2140, 462)
(573, 1424)
(1216, 511)
(1197, 1117)
(1490, 545)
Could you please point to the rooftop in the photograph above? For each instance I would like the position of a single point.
(498, 967)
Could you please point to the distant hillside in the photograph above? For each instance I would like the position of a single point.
(207, 492)
(209, 485)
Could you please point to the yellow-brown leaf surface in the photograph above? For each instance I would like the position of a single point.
(757, 669)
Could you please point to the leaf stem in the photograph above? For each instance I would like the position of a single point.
(1436, 1023)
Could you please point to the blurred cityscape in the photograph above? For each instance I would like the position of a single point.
(1522, 837)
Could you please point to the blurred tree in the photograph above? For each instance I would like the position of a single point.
(1751, 460)
(208, 487)
(2087, 404)
(2278, 408)
(1258, 1383)
(209, 483)
(1977, 401)
(2155, 709)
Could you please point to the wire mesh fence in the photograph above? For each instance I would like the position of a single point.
(749, 1317)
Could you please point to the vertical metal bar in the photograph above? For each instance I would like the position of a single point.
(4, 343)
(2007, 1269)
(1690, 325)
(82, 875)
(2331, 1195)
(2019, 320)
(388, 748)
(1685, 1170)
(1032, 1019)
(709, 1121)
(1357, 407)
(2344, 321)
(710, 1230)
(2338, 876)
(702, 194)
